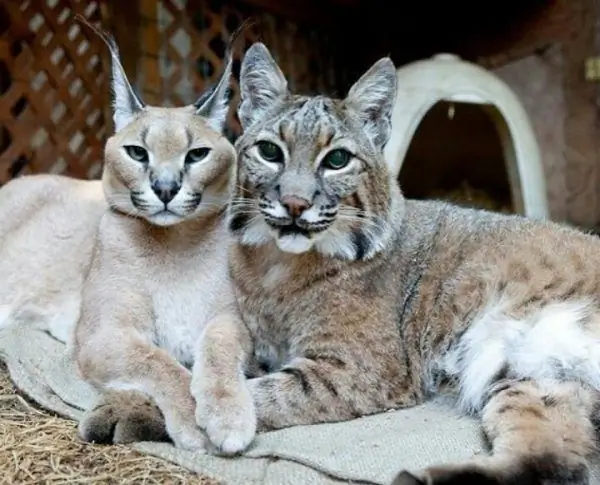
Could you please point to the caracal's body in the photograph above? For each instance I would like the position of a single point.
(149, 294)
(131, 268)
(47, 231)
(159, 268)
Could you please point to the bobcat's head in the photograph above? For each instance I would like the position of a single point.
(167, 165)
(311, 173)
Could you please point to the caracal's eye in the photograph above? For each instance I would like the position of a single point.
(137, 153)
(196, 155)
(336, 159)
(270, 151)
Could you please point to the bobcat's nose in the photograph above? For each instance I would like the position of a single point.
(295, 205)
(165, 190)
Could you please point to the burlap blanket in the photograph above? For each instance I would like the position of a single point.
(370, 450)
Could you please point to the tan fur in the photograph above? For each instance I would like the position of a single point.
(152, 286)
(47, 230)
(140, 274)
(123, 417)
(151, 289)
(419, 297)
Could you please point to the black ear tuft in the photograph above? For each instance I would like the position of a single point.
(214, 103)
(126, 103)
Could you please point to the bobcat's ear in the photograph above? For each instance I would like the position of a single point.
(262, 85)
(126, 103)
(372, 99)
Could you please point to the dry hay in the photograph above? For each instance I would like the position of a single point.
(39, 448)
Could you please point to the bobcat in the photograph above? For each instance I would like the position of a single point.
(357, 301)
(143, 254)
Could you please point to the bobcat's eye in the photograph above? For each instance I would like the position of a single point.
(196, 155)
(336, 159)
(270, 151)
(137, 153)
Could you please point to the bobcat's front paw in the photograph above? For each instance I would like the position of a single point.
(227, 416)
(122, 417)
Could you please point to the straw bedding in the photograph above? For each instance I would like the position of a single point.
(37, 447)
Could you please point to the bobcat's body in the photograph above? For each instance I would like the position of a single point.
(356, 301)
(48, 226)
(460, 297)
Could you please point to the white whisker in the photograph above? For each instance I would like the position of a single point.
(242, 201)
(243, 189)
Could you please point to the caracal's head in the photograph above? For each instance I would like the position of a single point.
(167, 165)
(311, 175)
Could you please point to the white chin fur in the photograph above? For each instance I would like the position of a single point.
(165, 219)
(294, 243)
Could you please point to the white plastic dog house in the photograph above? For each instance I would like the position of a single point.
(446, 77)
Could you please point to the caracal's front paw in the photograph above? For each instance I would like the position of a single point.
(228, 417)
(122, 417)
(188, 437)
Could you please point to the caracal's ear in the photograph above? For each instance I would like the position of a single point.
(126, 103)
(372, 99)
(214, 104)
(262, 85)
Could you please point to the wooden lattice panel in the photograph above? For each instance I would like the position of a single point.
(54, 76)
(184, 43)
(52, 89)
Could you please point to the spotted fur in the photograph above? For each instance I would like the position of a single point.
(403, 299)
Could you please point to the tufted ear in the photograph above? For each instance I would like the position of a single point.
(126, 103)
(372, 99)
(214, 104)
(262, 85)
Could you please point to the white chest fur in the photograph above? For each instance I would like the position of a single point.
(187, 291)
